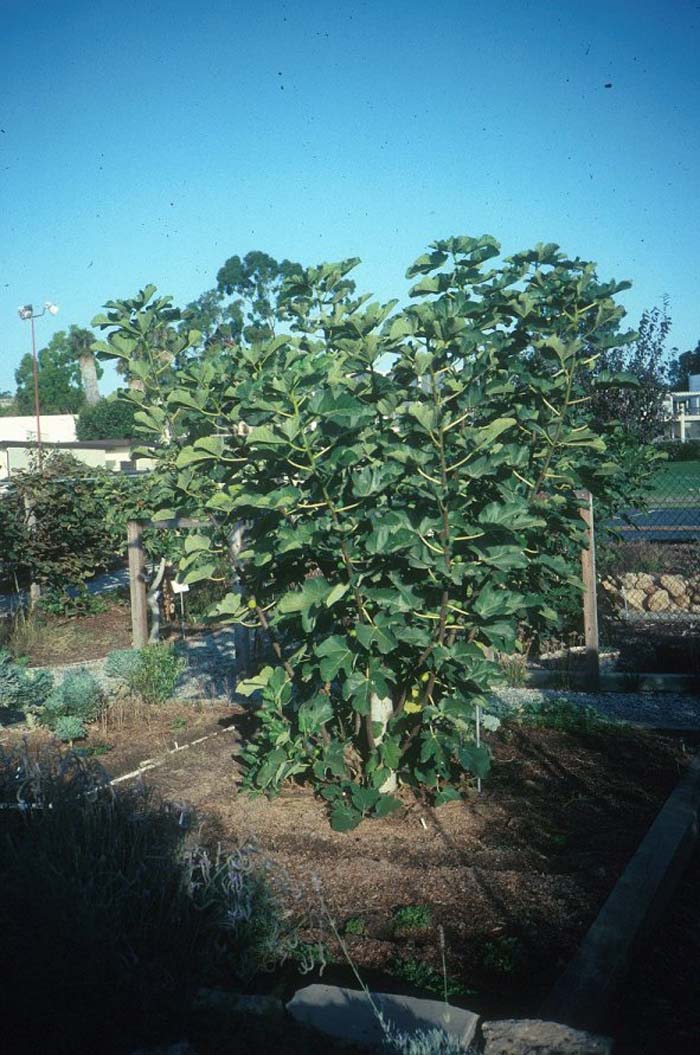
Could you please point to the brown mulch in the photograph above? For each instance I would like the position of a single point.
(514, 876)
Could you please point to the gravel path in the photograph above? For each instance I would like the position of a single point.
(659, 710)
(211, 674)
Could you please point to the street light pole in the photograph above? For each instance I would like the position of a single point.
(27, 313)
(37, 410)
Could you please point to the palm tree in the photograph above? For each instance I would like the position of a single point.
(80, 342)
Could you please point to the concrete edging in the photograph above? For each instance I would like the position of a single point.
(582, 995)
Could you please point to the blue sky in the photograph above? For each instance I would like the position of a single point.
(148, 141)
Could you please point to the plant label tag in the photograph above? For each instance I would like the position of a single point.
(180, 587)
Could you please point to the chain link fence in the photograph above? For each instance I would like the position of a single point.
(649, 563)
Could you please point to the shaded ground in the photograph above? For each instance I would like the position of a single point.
(660, 1009)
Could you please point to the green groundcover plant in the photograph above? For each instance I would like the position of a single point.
(408, 478)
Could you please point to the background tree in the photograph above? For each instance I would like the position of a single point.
(108, 419)
(639, 407)
(220, 323)
(681, 369)
(60, 388)
(80, 342)
(66, 365)
(256, 283)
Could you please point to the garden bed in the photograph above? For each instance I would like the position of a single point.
(514, 876)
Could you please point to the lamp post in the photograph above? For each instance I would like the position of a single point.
(27, 313)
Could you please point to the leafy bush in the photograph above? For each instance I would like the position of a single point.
(355, 926)
(151, 672)
(22, 689)
(422, 975)
(503, 955)
(61, 602)
(63, 524)
(109, 419)
(402, 523)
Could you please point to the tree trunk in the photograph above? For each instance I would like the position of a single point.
(88, 375)
(381, 709)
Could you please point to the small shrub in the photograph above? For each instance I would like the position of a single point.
(80, 698)
(421, 975)
(104, 908)
(559, 713)
(151, 672)
(356, 926)
(412, 917)
(69, 728)
(122, 663)
(82, 695)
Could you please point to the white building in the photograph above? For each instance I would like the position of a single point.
(683, 410)
(55, 428)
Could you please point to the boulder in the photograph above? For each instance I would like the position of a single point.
(673, 584)
(635, 600)
(659, 601)
(531, 1036)
(643, 581)
(349, 1015)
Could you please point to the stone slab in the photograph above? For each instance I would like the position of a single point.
(533, 1036)
(349, 1015)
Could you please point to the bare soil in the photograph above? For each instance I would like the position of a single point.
(513, 876)
(51, 640)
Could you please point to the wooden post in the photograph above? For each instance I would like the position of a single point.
(241, 634)
(34, 587)
(137, 584)
(590, 601)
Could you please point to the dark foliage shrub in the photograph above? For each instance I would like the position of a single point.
(110, 419)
